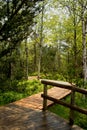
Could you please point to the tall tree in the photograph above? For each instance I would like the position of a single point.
(16, 22)
(26, 51)
(83, 5)
(41, 41)
(16, 19)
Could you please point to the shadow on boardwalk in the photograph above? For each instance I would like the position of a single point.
(14, 117)
(24, 115)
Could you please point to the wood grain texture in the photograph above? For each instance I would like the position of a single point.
(26, 114)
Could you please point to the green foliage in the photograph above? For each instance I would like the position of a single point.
(60, 110)
(10, 96)
(61, 54)
(29, 87)
(79, 119)
(15, 90)
(16, 19)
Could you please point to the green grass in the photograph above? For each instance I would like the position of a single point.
(79, 119)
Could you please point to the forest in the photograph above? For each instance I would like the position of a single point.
(42, 38)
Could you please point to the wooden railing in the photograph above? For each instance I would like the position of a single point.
(70, 105)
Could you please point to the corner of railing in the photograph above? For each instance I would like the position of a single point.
(43, 81)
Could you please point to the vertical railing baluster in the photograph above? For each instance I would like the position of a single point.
(44, 98)
(71, 119)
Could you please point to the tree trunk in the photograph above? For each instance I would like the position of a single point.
(26, 51)
(40, 44)
(84, 53)
(35, 57)
(75, 49)
(84, 48)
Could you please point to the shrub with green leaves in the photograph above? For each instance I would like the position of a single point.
(10, 96)
(15, 90)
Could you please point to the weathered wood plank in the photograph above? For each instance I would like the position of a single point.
(35, 101)
(70, 105)
(25, 114)
(16, 117)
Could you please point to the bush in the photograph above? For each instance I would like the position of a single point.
(9, 97)
(15, 90)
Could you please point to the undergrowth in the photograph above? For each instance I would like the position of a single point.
(79, 119)
(14, 90)
(11, 91)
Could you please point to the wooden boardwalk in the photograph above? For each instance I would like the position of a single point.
(26, 114)
(36, 102)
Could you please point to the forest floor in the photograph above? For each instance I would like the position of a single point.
(32, 77)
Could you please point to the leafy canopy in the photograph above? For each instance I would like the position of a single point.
(16, 21)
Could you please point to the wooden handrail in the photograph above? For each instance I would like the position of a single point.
(65, 85)
(73, 107)
(70, 105)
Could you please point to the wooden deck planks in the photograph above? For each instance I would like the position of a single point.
(16, 117)
(35, 101)
(26, 114)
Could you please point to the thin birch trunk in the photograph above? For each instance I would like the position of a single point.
(84, 49)
(41, 42)
(26, 51)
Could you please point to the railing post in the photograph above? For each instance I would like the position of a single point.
(44, 98)
(71, 119)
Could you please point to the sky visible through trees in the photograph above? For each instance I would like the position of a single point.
(56, 41)
(40, 38)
